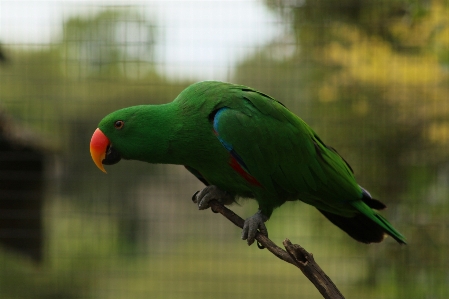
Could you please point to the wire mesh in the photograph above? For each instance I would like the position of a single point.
(370, 77)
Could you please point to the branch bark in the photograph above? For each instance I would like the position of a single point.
(294, 254)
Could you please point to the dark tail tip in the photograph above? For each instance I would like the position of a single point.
(358, 227)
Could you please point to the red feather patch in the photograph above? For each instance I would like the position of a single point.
(249, 178)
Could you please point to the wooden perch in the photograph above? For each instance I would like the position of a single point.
(294, 254)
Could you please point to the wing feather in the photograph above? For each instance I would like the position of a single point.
(284, 154)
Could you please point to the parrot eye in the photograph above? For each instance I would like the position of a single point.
(119, 124)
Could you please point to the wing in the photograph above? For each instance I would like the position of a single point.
(283, 154)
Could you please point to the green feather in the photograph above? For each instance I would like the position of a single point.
(278, 149)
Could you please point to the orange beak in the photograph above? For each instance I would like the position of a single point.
(98, 146)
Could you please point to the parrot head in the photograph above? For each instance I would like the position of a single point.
(102, 149)
(133, 133)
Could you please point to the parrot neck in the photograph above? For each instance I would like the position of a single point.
(170, 135)
(151, 140)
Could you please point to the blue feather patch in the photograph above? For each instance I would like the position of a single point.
(227, 145)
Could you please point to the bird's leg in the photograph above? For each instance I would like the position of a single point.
(209, 193)
(252, 225)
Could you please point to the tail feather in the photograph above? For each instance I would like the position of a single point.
(367, 226)
(358, 227)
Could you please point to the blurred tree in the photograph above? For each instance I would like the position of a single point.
(380, 66)
(371, 78)
(112, 42)
(104, 62)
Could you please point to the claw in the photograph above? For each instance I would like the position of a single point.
(252, 225)
(194, 199)
(203, 197)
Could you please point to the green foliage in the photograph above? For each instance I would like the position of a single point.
(93, 71)
(370, 77)
(111, 43)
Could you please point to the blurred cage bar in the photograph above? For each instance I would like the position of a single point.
(371, 78)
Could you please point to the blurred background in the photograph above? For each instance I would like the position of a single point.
(371, 78)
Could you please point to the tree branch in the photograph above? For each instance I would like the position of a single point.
(295, 255)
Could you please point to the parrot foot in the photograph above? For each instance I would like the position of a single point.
(252, 225)
(203, 197)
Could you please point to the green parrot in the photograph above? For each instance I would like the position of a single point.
(243, 143)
